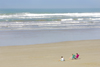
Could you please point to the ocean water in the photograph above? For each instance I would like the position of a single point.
(40, 19)
(36, 26)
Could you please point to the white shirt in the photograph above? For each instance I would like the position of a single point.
(62, 59)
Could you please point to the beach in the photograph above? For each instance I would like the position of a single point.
(48, 55)
(39, 37)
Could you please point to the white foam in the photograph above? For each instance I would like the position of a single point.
(80, 18)
(67, 14)
(67, 19)
(94, 18)
(47, 15)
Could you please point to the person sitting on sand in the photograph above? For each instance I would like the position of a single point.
(73, 56)
(77, 55)
(62, 59)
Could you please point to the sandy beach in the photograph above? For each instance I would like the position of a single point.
(48, 55)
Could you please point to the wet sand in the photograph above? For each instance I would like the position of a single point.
(48, 55)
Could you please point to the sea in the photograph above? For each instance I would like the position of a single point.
(39, 26)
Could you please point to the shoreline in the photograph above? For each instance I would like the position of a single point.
(49, 43)
(48, 55)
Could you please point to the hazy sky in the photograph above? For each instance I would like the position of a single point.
(49, 3)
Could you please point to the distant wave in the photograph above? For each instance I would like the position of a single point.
(47, 15)
(38, 21)
(42, 25)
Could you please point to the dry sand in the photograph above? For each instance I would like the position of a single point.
(48, 55)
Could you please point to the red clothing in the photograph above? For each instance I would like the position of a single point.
(77, 55)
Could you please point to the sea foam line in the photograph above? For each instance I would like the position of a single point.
(47, 15)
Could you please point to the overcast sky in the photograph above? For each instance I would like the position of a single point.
(49, 3)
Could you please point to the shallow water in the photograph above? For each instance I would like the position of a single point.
(27, 37)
